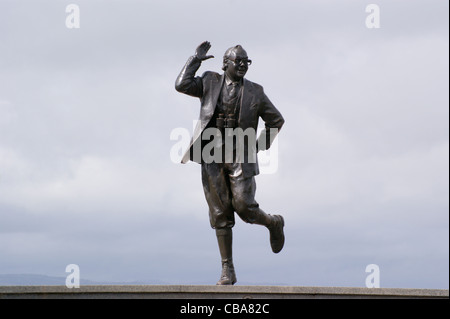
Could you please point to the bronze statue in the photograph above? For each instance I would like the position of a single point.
(230, 104)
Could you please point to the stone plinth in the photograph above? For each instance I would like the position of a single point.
(214, 292)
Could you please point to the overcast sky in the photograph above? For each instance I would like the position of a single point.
(86, 116)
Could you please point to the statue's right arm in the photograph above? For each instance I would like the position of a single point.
(187, 82)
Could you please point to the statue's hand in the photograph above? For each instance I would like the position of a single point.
(201, 51)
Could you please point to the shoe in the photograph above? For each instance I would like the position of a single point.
(228, 276)
(277, 233)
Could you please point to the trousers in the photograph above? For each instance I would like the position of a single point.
(227, 191)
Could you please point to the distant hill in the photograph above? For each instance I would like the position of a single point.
(43, 280)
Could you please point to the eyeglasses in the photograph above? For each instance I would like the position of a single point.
(238, 61)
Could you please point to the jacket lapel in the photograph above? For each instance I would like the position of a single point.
(246, 102)
(210, 105)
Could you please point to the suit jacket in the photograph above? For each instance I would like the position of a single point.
(254, 105)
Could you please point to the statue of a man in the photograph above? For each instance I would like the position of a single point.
(230, 104)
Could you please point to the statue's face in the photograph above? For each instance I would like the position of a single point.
(237, 65)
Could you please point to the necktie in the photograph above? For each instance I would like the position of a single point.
(234, 90)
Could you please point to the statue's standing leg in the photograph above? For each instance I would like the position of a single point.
(225, 241)
(221, 215)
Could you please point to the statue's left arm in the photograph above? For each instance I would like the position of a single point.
(273, 121)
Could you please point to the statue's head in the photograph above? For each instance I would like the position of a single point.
(236, 62)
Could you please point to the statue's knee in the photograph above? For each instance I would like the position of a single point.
(245, 212)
